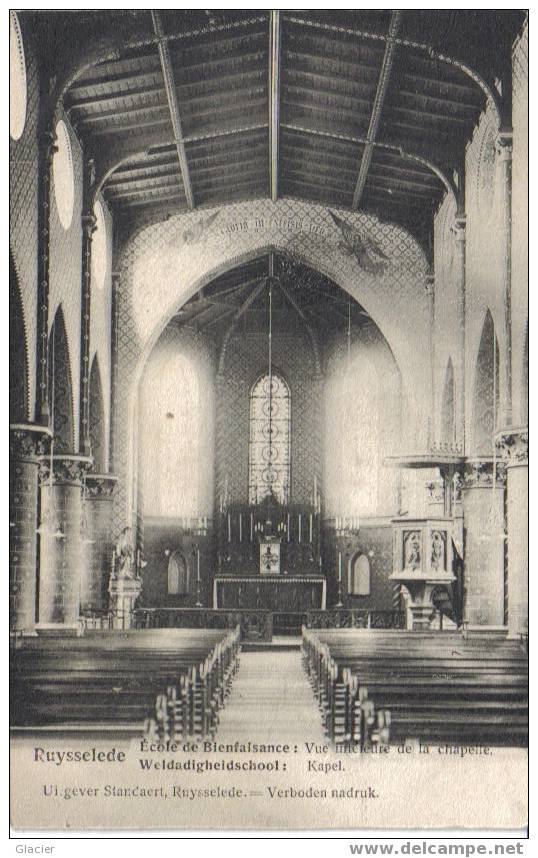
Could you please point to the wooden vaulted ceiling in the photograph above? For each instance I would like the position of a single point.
(366, 110)
(300, 297)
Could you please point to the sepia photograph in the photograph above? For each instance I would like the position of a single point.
(268, 419)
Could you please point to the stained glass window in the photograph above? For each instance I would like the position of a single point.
(270, 410)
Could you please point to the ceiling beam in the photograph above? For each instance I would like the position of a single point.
(478, 78)
(392, 147)
(379, 100)
(169, 84)
(274, 99)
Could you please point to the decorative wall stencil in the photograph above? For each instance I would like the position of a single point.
(448, 418)
(486, 390)
(175, 270)
(18, 353)
(97, 423)
(23, 215)
(194, 232)
(60, 387)
(246, 361)
(367, 253)
(486, 170)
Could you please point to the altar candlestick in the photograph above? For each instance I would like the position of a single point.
(299, 527)
(240, 528)
(198, 565)
(289, 535)
(339, 567)
(229, 528)
(251, 526)
(113, 562)
(138, 558)
(310, 527)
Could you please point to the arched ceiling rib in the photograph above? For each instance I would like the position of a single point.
(352, 109)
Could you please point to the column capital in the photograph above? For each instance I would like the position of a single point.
(88, 220)
(460, 224)
(482, 473)
(100, 486)
(429, 283)
(503, 145)
(47, 143)
(29, 441)
(513, 445)
(67, 469)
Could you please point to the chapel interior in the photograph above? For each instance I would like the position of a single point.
(269, 367)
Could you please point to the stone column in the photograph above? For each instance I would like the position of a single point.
(47, 139)
(97, 544)
(60, 541)
(27, 444)
(459, 227)
(483, 507)
(504, 148)
(88, 227)
(514, 444)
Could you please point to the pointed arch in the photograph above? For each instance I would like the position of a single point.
(18, 351)
(359, 580)
(486, 389)
(179, 580)
(97, 418)
(60, 386)
(448, 415)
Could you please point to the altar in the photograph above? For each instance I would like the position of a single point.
(285, 593)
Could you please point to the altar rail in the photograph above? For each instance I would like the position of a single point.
(355, 618)
(254, 624)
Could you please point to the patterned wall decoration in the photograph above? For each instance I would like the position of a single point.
(486, 391)
(160, 255)
(520, 203)
(246, 359)
(97, 419)
(447, 307)
(100, 330)
(61, 386)
(66, 269)
(23, 185)
(18, 353)
(448, 422)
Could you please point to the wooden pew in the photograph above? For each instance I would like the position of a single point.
(437, 687)
(113, 679)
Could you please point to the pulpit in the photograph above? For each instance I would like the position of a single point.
(422, 563)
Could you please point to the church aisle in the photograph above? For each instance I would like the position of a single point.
(271, 699)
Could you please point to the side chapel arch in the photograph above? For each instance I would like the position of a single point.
(486, 390)
(97, 419)
(60, 386)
